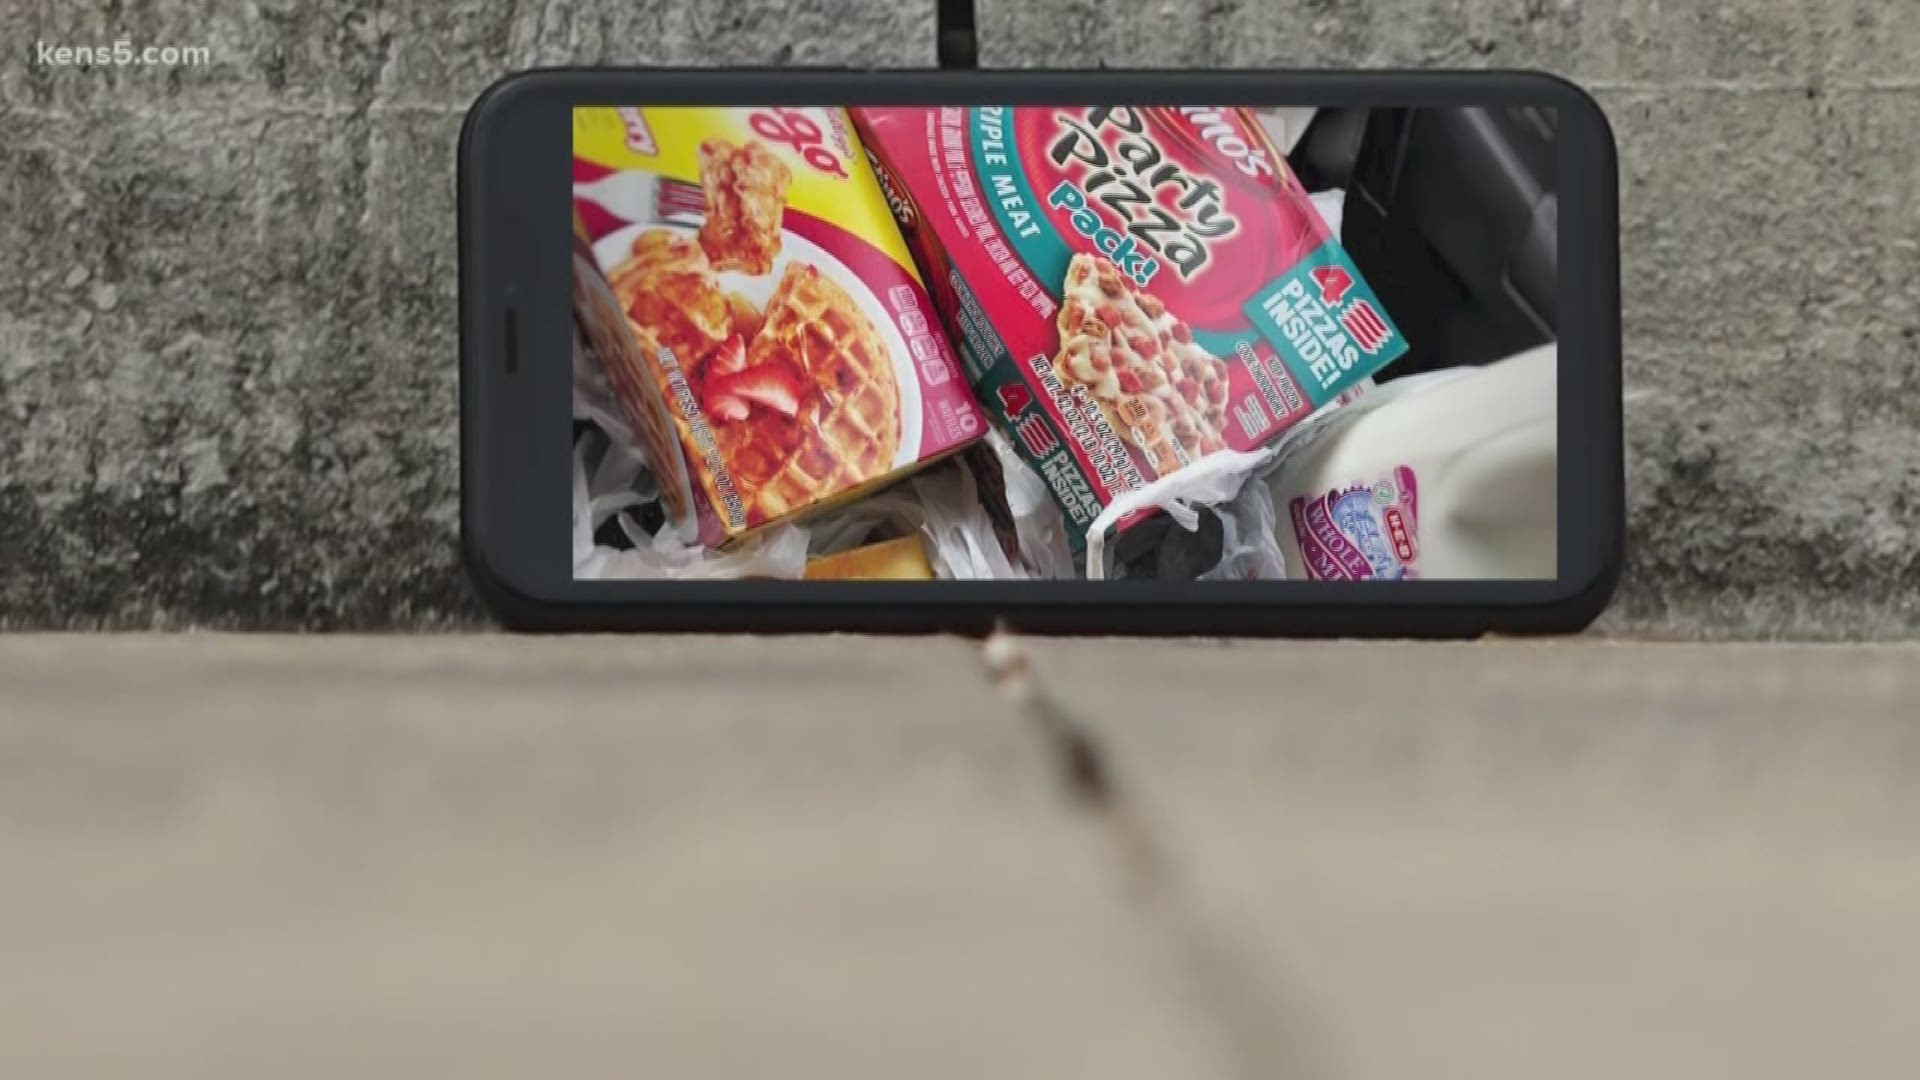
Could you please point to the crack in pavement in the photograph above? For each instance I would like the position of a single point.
(1263, 1033)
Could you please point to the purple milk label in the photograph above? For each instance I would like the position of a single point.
(1364, 532)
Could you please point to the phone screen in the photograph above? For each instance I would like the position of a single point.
(1053, 342)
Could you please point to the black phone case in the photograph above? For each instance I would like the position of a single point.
(1477, 274)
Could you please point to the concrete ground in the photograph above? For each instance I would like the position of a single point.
(849, 858)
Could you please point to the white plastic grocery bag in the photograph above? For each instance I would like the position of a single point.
(1212, 480)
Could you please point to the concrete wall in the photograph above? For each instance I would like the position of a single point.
(227, 337)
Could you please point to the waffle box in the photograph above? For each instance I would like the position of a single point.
(757, 312)
(1130, 289)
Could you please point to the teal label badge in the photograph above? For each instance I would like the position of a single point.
(1010, 196)
(1326, 324)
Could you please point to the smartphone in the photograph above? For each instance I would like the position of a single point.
(1304, 353)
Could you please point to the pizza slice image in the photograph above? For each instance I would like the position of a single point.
(746, 193)
(1162, 392)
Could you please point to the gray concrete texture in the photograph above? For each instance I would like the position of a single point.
(227, 336)
(228, 344)
(846, 858)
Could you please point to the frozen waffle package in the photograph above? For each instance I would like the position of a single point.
(760, 318)
(1129, 289)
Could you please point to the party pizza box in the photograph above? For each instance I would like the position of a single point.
(1130, 289)
(757, 312)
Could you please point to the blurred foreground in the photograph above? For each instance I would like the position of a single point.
(848, 858)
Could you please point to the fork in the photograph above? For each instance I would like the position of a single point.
(636, 196)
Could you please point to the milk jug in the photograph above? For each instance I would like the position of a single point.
(1444, 475)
